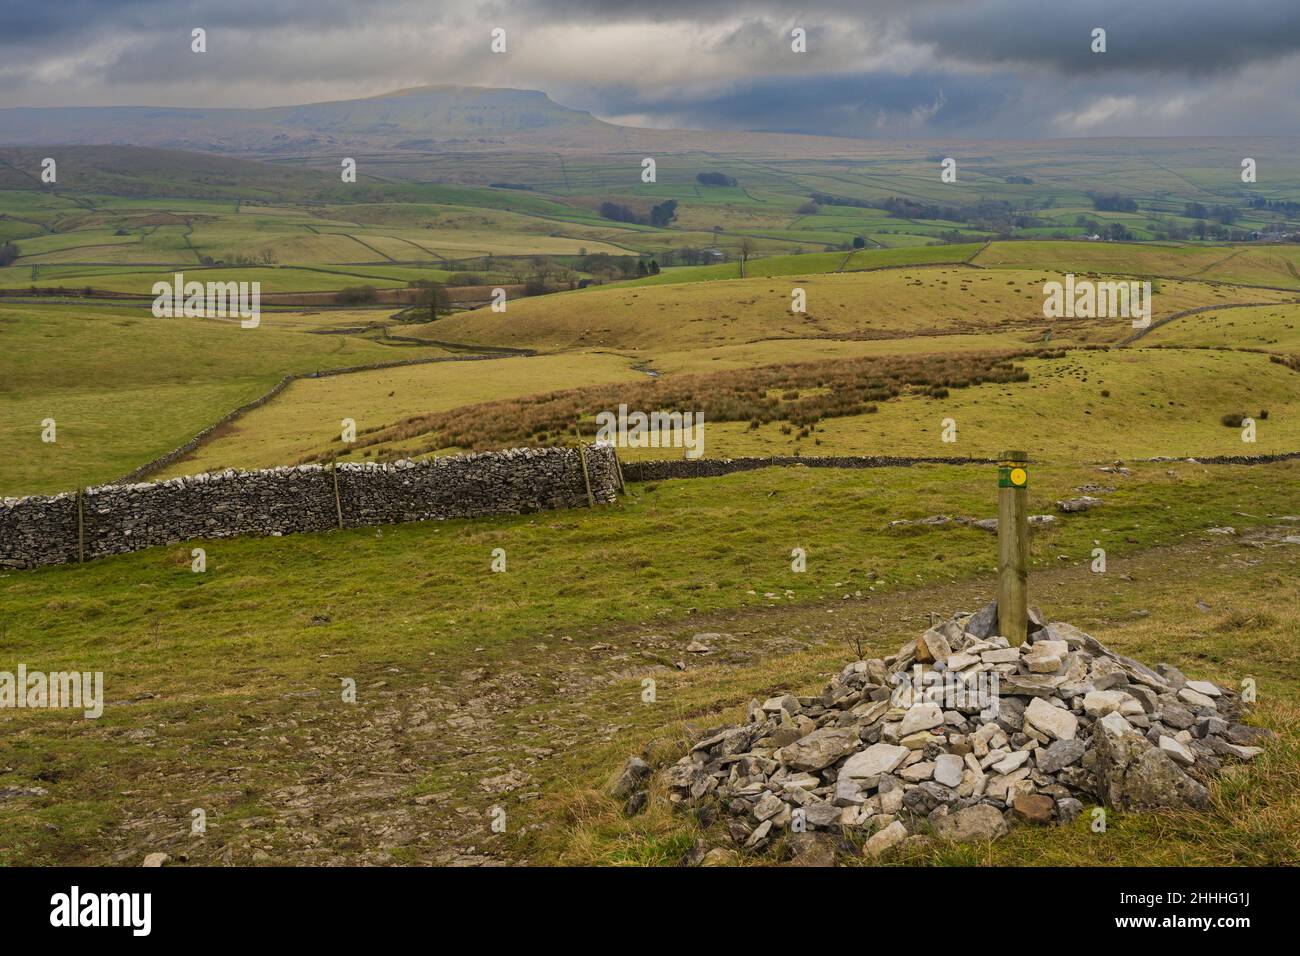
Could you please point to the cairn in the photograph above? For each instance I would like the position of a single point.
(969, 733)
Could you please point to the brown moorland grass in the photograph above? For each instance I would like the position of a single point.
(799, 393)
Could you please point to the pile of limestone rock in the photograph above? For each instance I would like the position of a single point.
(964, 731)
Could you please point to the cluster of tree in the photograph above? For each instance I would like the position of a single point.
(607, 268)
(663, 213)
(691, 256)
(470, 278)
(8, 253)
(612, 210)
(715, 179)
(1020, 181)
(1001, 218)
(1115, 231)
(510, 186)
(264, 258)
(660, 215)
(644, 268)
(826, 199)
(356, 295)
(1219, 232)
(998, 218)
(1112, 202)
(429, 301)
(544, 275)
(1284, 206)
(900, 207)
(1225, 215)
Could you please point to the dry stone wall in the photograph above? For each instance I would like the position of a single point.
(113, 519)
(662, 470)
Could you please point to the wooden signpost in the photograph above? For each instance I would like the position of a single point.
(1013, 546)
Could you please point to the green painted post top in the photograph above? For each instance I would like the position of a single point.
(1012, 472)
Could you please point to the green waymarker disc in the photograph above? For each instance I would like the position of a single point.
(1009, 477)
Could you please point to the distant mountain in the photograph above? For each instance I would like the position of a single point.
(425, 117)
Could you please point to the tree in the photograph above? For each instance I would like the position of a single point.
(746, 248)
(664, 213)
(545, 268)
(654, 268)
(618, 213)
(715, 179)
(429, 301)
(8, 253)
(859, 242)
(356, 295)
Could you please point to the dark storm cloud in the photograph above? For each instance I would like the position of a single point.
(888, 67)
(64, 22)
(863, 104)
(1168, 36)
(1190, 36)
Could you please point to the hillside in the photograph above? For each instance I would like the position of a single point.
(887, 304)
(415, 118)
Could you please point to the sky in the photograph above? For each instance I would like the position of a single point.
(893, 69)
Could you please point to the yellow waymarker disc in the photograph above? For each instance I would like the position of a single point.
(1018, 476)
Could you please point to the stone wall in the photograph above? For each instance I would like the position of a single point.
(663, 470)
(112, 519)
(713, 467)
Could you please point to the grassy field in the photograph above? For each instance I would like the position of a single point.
(124, 387)
(1078, 406)
(1160, 402)
(305, 418)
(815, 263)
(1252, 265)
(224, 687)
(934, 301)
(1087, 406)
(1272, 328)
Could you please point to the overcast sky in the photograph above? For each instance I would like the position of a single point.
(875, 68)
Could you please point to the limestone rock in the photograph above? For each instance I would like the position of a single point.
(932, 646)
(875, 760)
(1055, 721)
(1075, 505)
(885, 839)
(1057, 755)
(1133, 775)
(819, 748)
(1033, 808)
(948, 769)
(978, 824)
(811, 850)
(921, 717)
(1177, 750)
(635, 773)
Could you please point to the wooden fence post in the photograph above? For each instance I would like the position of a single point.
(586, 478)
(618, 470)
(1013, 546)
